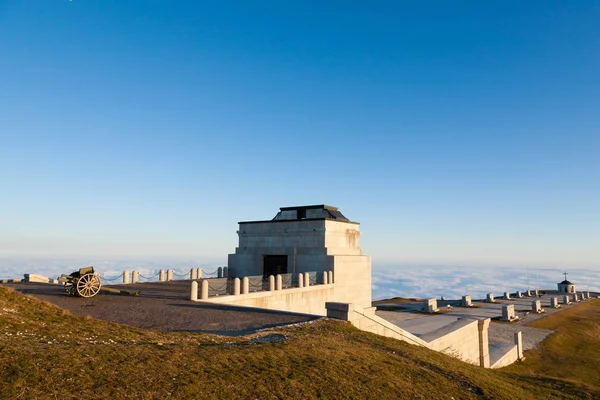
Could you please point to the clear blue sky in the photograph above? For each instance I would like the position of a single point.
(455, 132)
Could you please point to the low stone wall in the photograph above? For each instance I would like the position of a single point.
(459, 339)
(510, 356)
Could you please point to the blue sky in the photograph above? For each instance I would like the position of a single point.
(455, 132)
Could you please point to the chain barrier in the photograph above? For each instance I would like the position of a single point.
(210, 273)
(221, 288)
(113, 279)
(182, 275)
(149, 277)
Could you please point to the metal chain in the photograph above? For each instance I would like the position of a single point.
(211, 273)
(113, 279)
(182, 275)
(149, 277)
(221, 288)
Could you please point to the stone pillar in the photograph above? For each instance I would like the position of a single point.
(300, 279)
(490, 298)
(529, 293)
(431, 306)
(508, 312)
(466, 301)
(271, 283)
(126, 276)
(554, 302)
(199, 272)
(566, 299)
(161, 275)
(204, 289)
(536, 306)
(194, 291)
(506, 296)
(135, 276)
(220, 272)
(169, 275)
(330, 277)
(278, 282)
(537, 292)
(324, 277)
(519, 343)
(306, 279)
(484, 344)
(519, 294)
(236, 286)
(245, 285)
(575, 298)
(193, 274)
(225, 272)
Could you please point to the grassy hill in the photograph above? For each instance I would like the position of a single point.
(46, 353)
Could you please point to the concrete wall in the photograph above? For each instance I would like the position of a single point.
(459, 339)
(510, 357)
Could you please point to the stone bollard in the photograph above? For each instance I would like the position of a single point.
(306, 279)
(220, 272)
(554, 302)
(536, 306)
(508, 312)
(566, 299)
(506, 296)
(225, 272)
(135, 276)
(537, 292)
(300, 279)
(330, 277)
(204, 289)
(271, 283)
(278, 282)
(245, 285)
(484, 345)
(519, 294)
(431, 306)
(575, 298)
(324, 277)
(489, 298)
(199, 272)
(194, 291)
(519, 343)
(161, 275)
(193, 274)
(529, 293)
(169, 275)
(236, 287)
(126, 277)
(466, 301)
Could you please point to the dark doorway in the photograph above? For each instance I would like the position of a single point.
(274, 265)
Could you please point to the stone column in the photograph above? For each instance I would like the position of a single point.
(306, 279)
(484, 344)
(536, 306)
(554, 302)
(490, 298)
(519, 294)
(506, 296)
(135, 276)
(508, 312)
(566, 299)
(220, 272)
(529, 293)
(330, 277)
(300, 279)
(236, 287)
(199, 272)
(245, 285)
(161, 275)
(278, 282)
(537, 292)
(324, 277)
(169, 275)
(193, 274)
(431, 305)
(466, 301)
(126, 276)
(204, 289)
(194, 291)
(519, 343)
(225, 272)
(271, 283)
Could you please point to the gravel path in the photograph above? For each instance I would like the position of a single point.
(163, 306)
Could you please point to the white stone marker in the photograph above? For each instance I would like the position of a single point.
(169, 275)
(126, 277)
(236, 286)
(306, 279)
(300, 279)
(537, 292)
(506, 296)
(529, 293)
(199, 272)
(519, 343)
(271, 283)
(245, 285)
(566, 299)
(575, 298)
(536, 306)
(508, 312)
(489, 298)
(466, 301)
(193, 274)
(330, 277)
(135, 276)
(278, 282)
(431, 305)
(161, 275)
(204, 290)
(194, 291)
(554, 302)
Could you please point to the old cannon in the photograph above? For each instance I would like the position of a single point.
(87, 283)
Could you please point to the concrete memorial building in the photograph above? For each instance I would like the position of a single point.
(314, 238)
(566, 286)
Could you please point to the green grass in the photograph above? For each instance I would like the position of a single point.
(46, 353)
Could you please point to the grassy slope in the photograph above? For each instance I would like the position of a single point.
(48, 353)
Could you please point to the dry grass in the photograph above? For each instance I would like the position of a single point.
(47, 353)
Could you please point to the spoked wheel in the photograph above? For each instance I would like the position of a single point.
(88, 285)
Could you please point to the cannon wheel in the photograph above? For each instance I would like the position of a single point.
(88, 285)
